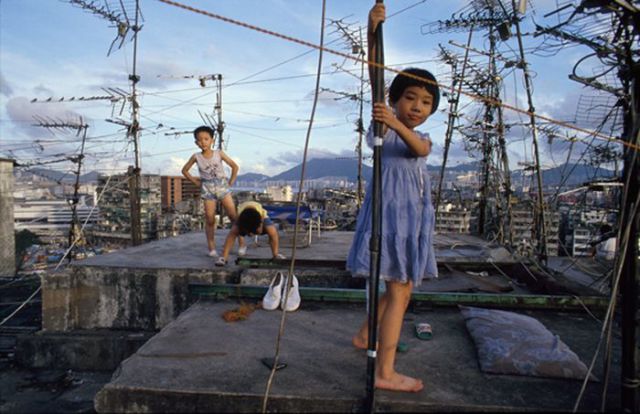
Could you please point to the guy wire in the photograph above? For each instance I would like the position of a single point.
(297, 225)
(398, 71)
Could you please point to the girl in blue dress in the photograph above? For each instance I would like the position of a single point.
(407, 254)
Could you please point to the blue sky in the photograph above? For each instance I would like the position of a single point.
(51, 48)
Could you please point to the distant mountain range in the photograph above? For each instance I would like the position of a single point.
(347, 169)
(326, 167)
(567, 175)
(64, 177)
(318, 168)
(253, 177)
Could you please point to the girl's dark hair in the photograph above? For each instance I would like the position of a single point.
(401, 82)
(249, 221)
(203, 128)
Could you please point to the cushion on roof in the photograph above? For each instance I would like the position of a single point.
(510, 343)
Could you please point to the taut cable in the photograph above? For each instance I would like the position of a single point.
(490, 101)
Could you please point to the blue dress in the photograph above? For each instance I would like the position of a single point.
(408, 217)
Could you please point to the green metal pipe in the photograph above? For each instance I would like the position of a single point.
(459, 263)
(438, 299)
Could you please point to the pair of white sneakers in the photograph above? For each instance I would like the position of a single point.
(275, 294)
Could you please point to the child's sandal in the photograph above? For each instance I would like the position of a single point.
(221, 261)
(423, 331)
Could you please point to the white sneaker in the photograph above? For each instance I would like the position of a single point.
(213, 253)
(242, 250)
(293, 300)
(271, 299)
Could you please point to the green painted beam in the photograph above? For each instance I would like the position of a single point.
(460, 263)
(437, 299)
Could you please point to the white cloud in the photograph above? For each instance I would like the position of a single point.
(173, 165)
(21, 110)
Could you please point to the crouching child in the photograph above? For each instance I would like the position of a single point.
(252, 220)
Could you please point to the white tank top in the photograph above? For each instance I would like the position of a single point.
(210, 168)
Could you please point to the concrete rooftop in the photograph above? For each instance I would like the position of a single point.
(190, 250)
(199, 362)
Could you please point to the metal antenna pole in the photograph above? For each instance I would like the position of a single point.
(453, 115)
(541, 225)
(218, 108)
(506, 224)
(134, 132)
(630, 276)
(376, 221)
(487, 132)
(360, 122)
(75, 223)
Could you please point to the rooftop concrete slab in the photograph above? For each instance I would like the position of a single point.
(199, 363)
(189, 251)
(145, 287)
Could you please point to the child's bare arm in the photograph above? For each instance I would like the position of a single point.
(419, 147)
(233, 165)
(228, 243)
(187, 167)
(274, 239)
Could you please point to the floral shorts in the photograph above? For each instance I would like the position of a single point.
(215, 189)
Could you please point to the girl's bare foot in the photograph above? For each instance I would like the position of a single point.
(359, 342)
(399, 382)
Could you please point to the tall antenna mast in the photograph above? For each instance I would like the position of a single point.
(218, 110)
(134, 134)
(454, 102)
(74, 228)
(356, 45)
(123, 25)
(541, 227)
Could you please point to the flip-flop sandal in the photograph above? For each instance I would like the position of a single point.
(423, 331)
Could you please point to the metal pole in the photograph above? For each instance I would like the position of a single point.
(360, 123)
(541, 225)
(134, 190)
(487, 147)
(376, 221)
(75, 228)
(218, 108)
(505, 223)
(631, 264)
(453, 115)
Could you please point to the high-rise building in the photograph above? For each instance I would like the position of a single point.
(7, 238)
(453, 219)
(171, 190)
(115, 207)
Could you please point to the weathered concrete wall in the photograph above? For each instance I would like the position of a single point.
(7, 237)
(98, 350)
(316, 277)
(87, 297)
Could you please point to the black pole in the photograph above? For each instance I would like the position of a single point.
(453, 115)
(376, 222)
(75, 223)
(631, 264)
